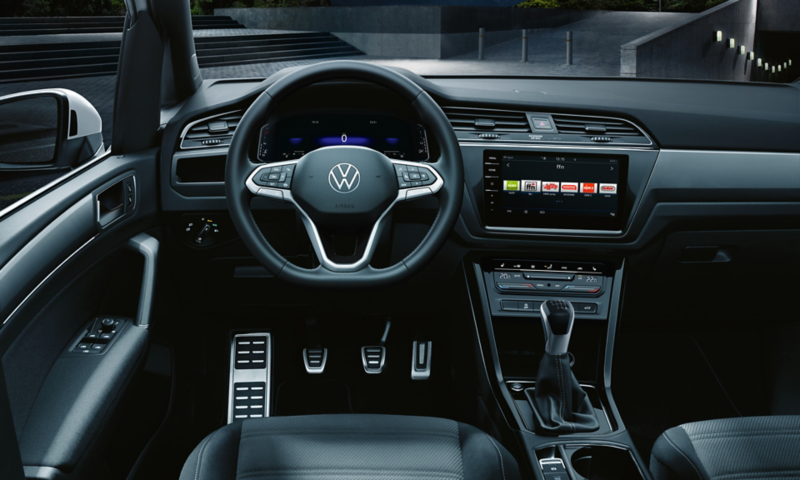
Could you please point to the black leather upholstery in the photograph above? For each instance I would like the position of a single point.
(729, 449)
(321, 447)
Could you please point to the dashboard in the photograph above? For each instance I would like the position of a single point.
(547, 162)
(700, 185)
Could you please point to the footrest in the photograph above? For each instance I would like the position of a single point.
(315, 359)
(250, 376)
(373, 359)
(249, 400)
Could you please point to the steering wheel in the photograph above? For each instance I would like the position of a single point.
(344, 190)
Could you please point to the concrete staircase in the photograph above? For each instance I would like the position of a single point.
(80, 59)
(222, 51)
(12, 26)
(205, 22)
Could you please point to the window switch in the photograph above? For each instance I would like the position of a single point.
(98, 347)
(83, 346)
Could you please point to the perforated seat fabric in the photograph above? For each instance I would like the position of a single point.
(745, 448)
(323, 447)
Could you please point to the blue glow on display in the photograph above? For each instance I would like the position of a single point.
(392, 141)
(295, 141)
(344, 140)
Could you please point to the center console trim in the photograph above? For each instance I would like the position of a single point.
(596, 443)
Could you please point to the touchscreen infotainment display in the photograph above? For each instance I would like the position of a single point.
(554, 190)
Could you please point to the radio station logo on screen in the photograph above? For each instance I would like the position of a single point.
(569, 187)
(608, 188)
(588, 188)
(550, 187)
(534, 186)
(511, 185)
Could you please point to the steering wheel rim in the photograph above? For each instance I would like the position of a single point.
(240, 174)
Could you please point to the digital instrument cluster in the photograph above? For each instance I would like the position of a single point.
(292, 138)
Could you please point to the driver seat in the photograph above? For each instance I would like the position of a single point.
(340, 447)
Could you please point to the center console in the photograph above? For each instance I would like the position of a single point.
(570, 428)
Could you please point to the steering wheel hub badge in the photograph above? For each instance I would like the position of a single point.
(344, 178)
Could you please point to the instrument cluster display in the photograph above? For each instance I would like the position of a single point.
(292, 138)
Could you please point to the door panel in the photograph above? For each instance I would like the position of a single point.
(60, 256)
(68, 210)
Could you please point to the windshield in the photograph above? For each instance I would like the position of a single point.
(76, 44)
(737, 40)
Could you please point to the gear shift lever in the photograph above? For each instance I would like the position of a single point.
(560, 404)
(558, 317)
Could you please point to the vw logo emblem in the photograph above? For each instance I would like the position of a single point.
(344, 178)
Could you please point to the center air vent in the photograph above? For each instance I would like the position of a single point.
(211, 132)
(487, 120)
(584, 125)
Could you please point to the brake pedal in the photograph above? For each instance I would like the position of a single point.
(373, 359)
(315, 359)
(421, 361)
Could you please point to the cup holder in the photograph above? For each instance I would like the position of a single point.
(604, 463)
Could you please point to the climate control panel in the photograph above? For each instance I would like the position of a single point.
(518, 287)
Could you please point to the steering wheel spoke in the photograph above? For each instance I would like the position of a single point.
(322, 242)
(416, 180)
(273, 180)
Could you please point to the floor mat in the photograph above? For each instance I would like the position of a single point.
(661, 381)
(312, 397)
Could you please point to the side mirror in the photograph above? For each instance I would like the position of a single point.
(47, 130)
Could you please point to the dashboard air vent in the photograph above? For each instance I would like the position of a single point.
(585, 125)
(487, 120)
(211, 132)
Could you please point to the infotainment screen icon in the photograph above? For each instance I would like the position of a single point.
(551, 190)
(534, 186)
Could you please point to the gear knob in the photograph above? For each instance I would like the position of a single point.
(558, 316)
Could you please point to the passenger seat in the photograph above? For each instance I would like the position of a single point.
(729, 449)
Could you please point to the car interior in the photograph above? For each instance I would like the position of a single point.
(351, 271)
